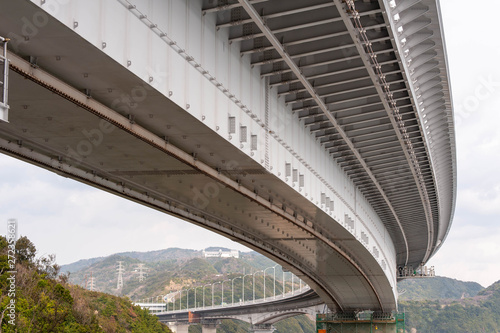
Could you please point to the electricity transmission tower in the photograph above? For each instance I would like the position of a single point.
(120, 269)
(92, 283)
(142, 272)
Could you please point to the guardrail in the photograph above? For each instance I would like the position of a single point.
(155, 307)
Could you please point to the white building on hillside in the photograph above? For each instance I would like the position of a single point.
(221, 253)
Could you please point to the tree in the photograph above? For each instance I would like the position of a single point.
(25, 250)
(47, 265)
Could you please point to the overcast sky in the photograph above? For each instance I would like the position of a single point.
(75, 221)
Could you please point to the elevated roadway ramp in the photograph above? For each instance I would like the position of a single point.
(341, 190)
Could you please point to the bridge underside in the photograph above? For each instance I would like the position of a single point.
(155, 153)
(338, 65)
(158, 174)
(351, 79)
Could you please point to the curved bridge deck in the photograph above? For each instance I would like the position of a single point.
(260, 312)
(318, 133)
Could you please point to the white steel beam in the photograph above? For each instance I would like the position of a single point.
(405, 142)
(68, 92)
(279, 47)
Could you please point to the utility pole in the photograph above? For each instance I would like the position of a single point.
(120, 269)
(142, 272)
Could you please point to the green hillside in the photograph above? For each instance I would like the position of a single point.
(174, 269)
(298, 324)
(42, 301)
(480, 313)
(431, 305)
(436, 288)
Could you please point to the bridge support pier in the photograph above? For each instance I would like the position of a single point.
(209, 326)
(362, 322)
(262, 328)
(179, 327)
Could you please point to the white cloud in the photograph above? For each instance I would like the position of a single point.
(471, 250)
(470, 253)
(480, 201)
(76, 221)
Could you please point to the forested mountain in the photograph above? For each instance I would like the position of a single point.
(150, 256)
(436, 288)
(165, 271)
(479, 313)
(431, 305)
(173, 269)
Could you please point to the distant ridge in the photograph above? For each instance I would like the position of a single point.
(80, 264)
(437, 288)
(160, 255)
(479, 313)
(438, 304)
(217, 248)
(147, 256)
(166, 269)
